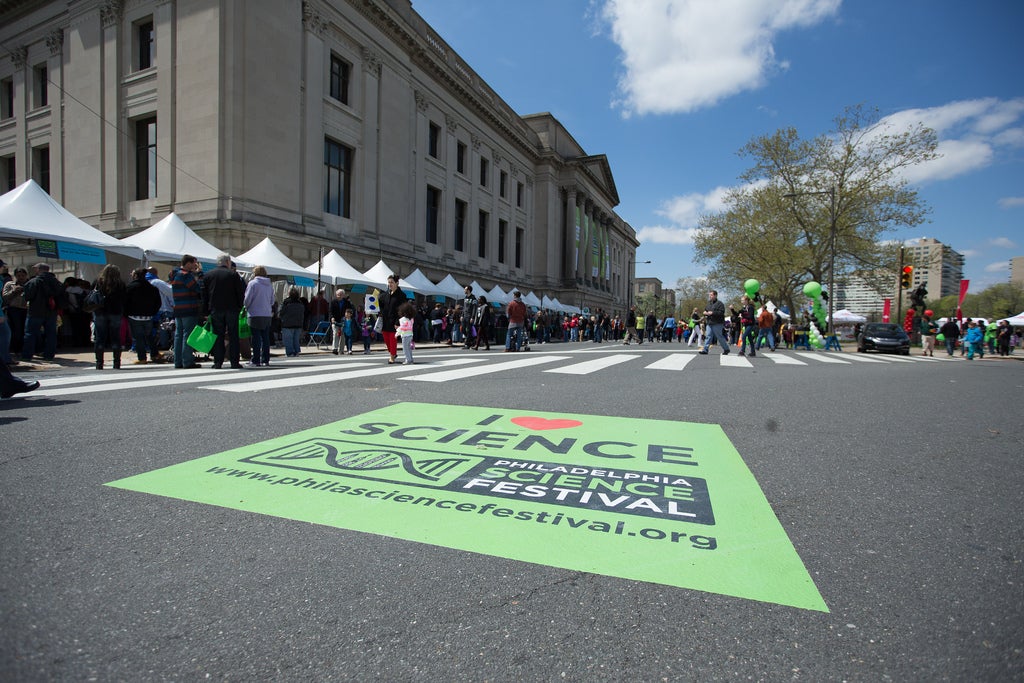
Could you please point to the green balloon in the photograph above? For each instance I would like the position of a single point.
(940, 337)
(812, 289)
(751, 287)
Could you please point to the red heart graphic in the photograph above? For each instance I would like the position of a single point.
(540, 423)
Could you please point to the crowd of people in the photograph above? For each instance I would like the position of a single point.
(154, 318)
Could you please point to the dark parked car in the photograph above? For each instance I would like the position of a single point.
(883, 337)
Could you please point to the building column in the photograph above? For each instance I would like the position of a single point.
(367, 217)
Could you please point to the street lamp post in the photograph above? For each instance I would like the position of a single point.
(831, 192)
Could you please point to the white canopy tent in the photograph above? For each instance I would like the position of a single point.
(378, 275)
(845, 316)
(170, 238)
(1015, 321)
(451, 288)
(478, 289)
(267, 254)
(338, 271)
(497, 295)
(27, 212)
(531, 300)
(547, 302)
(420, 283)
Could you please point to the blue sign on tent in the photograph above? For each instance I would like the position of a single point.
(80, 252)
(358, 289)
(304, 282)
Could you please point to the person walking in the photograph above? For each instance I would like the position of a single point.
(390, 311)
(484, 325)
(292, 314)
(224, 296)
(766, 328)
(469, 306)
(141, 304)
(973, 340)
(259, 305)
(749, 325)
(714, 313)
(516, 321)
(631, 325)
(42, 297)
(951, 332)
(928, 331)
(106, 319)
(186, 288)
(696, 329)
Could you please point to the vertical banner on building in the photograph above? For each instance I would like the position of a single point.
(585, 243)
(607, 253)
(595, 248)
(886, 310)
(576, 259)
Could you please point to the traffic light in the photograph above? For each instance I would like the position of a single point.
(907, 277)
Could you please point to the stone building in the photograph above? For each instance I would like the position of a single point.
(344, 124)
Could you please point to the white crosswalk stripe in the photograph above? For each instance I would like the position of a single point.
(782, 359)
(732, 361)
(587, 367)
(463, 373)
(673, 361)
(821, 357)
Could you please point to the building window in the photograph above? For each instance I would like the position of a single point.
(640, 287)
(460, 158)
(7, 99)
(41, 166)
(460, 225)
(8, 171)
(145, 47)
(519, 247)
(434, 140)
(502, 237)
(519, 194)
(145, 158)
(340, 71)
(433, 211)
(481, 249)
(40, 91)
(337, 178)
(485, 166)
(502, 182)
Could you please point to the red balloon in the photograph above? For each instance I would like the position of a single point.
(929, 313)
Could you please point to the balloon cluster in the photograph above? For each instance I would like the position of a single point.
(812, 290)
(814, 337)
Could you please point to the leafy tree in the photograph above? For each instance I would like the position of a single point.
(1001, 300)
(853, 175)
(691, 293)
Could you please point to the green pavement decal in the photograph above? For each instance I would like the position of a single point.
(650, 500)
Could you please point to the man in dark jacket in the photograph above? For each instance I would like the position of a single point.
(223, 296)
(714, 313)
(42, 296)
(951, 332)
(141, 303)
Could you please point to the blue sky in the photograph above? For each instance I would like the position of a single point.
(670, 90)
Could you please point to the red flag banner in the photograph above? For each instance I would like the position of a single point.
(963, 292)
(886, 310)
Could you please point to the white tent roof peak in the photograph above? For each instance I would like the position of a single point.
(451, 288)
(267, 254)
(338, 271)
(28, 212)
(171, 238)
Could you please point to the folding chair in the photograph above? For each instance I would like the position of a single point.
(318, 335)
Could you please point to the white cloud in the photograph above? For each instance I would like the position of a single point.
(971, 134)
(1002, 242)
(683, 213)
(681, 55)
(969, 253)
(1011, 202)
(660, 234)
(997, 267)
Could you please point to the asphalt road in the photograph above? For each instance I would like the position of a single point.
(898, 484)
